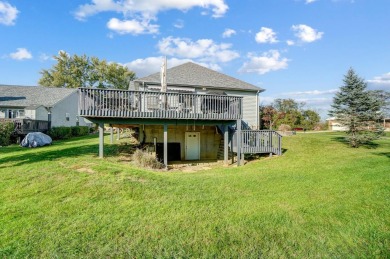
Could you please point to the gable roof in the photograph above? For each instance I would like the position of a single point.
(191, 74)
(23, 96)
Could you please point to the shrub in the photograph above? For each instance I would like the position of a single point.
(284, 127)
(6, 130)
(60, 132)
(68, 132)
(142, 158)
(79, 131)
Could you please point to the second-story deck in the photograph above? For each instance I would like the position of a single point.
(103, 103)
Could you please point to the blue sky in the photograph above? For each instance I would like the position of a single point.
(296, 49)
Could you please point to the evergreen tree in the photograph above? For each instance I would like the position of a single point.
(358, 110)
(82, 71)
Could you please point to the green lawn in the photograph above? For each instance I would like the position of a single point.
(320, 199)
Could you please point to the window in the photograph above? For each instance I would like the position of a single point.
(14, 114)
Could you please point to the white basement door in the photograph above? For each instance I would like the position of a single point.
(192, 140)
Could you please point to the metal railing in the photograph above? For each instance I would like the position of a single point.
(260, 141)
(97, 103)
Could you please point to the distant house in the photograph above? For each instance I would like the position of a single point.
(386, 124)
(36, 108)
(334, 125)
(201, 112)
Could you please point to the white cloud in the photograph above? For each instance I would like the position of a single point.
(228, 33)
(179, 24)
(20, 54)
(312, 92)
(267, 62)
(132, 26)
(380, 82)
(266, 35)
(306, 33)
(290, 42)
(44, 57)
(8, 13)
(148, 8)
(204, 49)
(310, 1)
(150, 65)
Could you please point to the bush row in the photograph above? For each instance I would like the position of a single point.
(68, 132)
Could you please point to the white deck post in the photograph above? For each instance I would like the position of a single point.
(238, 132)
(111, 135)
(101, 139)
(225, 144)
(166, 146)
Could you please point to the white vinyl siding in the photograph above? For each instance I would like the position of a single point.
(67, 106)
(250, 107)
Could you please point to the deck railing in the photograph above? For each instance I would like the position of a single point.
(95, 103)
(260, 141)
(24, 126)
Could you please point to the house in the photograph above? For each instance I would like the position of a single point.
(36, 108)
(334, 125)
(201, 113)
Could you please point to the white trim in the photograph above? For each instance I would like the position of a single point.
(170, 88)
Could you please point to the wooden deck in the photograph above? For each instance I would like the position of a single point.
(261, 141)
(102, 103)
(25, 126)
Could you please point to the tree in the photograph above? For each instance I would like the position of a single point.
(358, 109)
(310, 119)
(269, 115)
(288, 112)
(82, 71)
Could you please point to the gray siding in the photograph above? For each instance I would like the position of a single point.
(250, 107)
(40, 113)
(66, 105)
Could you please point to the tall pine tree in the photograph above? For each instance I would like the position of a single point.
(358, 110)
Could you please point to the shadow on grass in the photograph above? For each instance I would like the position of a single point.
(59, 149)
(386, 154)
(343, 140)
(14, 148)
(47, 153)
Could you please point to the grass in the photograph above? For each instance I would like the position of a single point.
(320, 199)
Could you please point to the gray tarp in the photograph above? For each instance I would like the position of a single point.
(36, 139)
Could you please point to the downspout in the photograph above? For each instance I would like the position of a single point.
(48, 118)
(257, 111)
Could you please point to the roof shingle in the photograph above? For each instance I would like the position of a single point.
(23, 96)
(191, 74)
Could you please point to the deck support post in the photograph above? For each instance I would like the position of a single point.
(118, 135)
(166, 146)
(101, 139)
(238, 132)
(111, 135)
(225, 144)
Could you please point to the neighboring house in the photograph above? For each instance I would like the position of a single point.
(36, 108)
(334, 125)
(200, 114)
(386, 124)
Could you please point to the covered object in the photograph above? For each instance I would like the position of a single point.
(36, 139)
